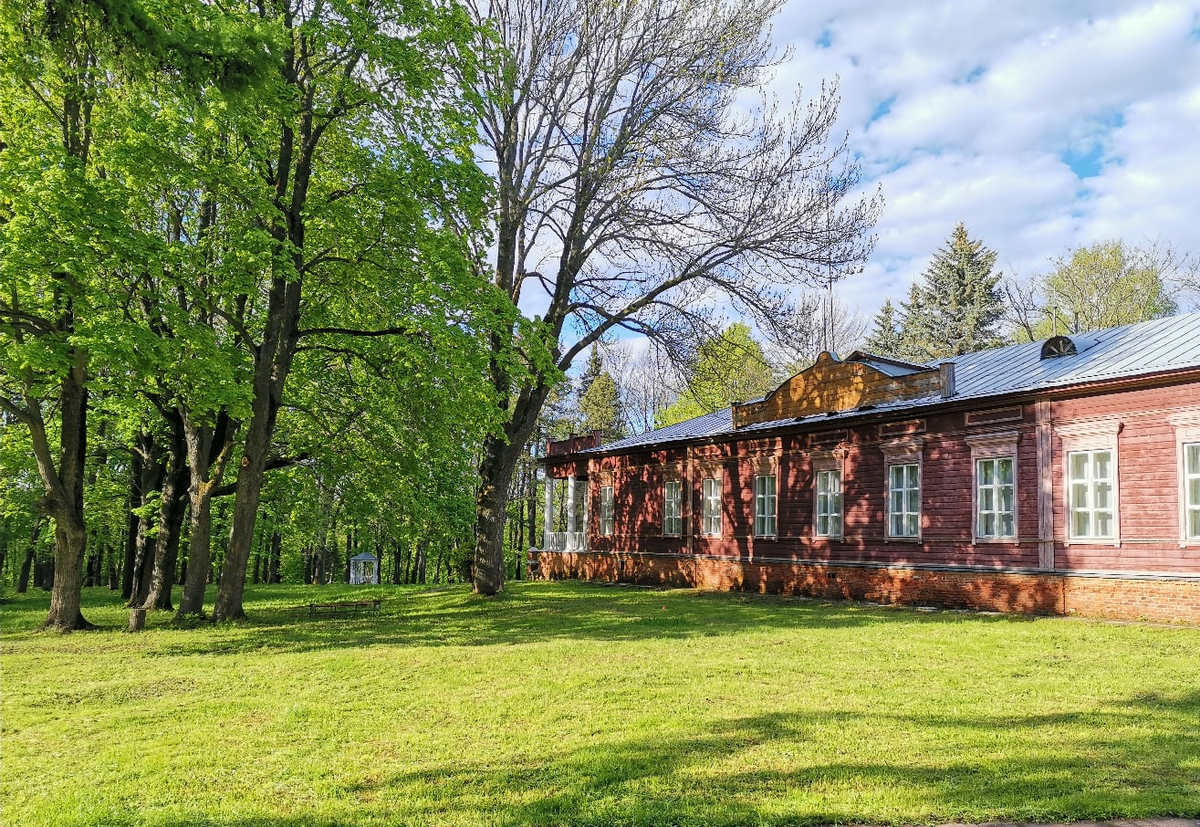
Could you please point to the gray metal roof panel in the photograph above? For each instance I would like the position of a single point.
(1119, 352)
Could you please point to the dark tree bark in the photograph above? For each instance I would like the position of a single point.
(133, 522)
(170, 517)
(153, 468)
(208, 450)
(26, 567)
(611, 133)
(276, 557)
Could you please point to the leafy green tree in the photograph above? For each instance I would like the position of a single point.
(729, 367)
(958, 305)
(61, 236)
(364, 191)
(1105, 284)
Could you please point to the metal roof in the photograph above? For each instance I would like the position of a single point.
(1123, 352)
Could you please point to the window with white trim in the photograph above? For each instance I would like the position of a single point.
(1091, 480)
(1091, 477)
(765, 500)
(606, 510)
(1191, 484)
(828, 512)
(994, 481)
(995, 498)
(673, 508)
(711, 491)
(904, 500)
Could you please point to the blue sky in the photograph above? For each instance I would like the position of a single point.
(1042, 125)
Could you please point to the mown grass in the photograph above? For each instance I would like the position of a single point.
(579, 704)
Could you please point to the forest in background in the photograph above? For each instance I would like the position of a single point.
(262, 276)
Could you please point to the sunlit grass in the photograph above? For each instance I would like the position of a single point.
(581, 704)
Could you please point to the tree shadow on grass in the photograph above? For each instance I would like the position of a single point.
(533, 613)
(1128, 760)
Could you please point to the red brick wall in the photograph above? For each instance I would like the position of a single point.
(1042, 593)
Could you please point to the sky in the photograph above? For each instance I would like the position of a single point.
(1041, 125)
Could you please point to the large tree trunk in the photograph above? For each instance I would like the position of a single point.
(205, 477)
(496, 468)
(170, 518)
(153, 469)
(64, 501)
(273, 362)
(131, 534)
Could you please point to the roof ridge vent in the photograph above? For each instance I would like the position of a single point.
(1057, 346)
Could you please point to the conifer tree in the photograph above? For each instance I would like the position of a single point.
(600, 407)
(957, 307)
(886, 339)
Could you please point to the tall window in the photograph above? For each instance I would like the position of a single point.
(712, 506)
(995, 504)
(829, 504)
(1090, 477)
(673, 508)
(606, 510)
(1191, 481)
(904, 500)
(764, 505)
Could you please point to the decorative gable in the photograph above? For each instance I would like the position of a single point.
(832, 385)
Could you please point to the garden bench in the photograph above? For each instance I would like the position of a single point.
(343, 607)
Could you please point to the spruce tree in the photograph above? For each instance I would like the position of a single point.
(886, 339)
(958, 306)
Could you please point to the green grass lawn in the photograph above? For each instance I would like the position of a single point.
(569, 703)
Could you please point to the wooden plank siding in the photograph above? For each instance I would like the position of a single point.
(1148, 480)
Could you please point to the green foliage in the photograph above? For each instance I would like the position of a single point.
(600, 400)
(451, 710)
(729, 367)
(1103, 285)
(886, 338)
(958, 305)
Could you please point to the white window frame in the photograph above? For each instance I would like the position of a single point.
(991, 447)
(606, 510)
(1190, 474)
(1091, 437)
(903, 452)
(1187, 433)
(766, 505)
(672, 508)
(826, 463)
(711, 497)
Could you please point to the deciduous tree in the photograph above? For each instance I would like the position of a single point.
(633, 191)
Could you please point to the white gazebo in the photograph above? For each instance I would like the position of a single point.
(364, 568)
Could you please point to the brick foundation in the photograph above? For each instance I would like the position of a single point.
(1125, 598)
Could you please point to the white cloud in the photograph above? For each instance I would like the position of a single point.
(1040, 125)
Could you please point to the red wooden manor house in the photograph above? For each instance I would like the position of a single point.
(1052, 477)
